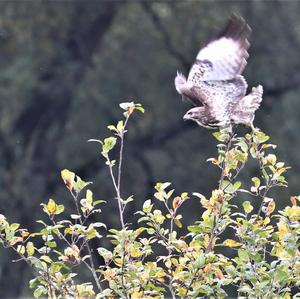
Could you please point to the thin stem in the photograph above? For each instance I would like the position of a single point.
(122, 135)
(121, 205)
(122, 270)
(217, 217)
(117, 181)
(22, 257)
(191, 283)
(91, 267)
(50, 292)
(172, 214)
(117, 193)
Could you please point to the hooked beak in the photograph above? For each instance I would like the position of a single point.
(186, 117)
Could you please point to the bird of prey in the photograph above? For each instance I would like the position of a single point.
(215, 84)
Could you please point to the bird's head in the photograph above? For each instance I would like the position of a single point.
(201, 117)
(194, 114)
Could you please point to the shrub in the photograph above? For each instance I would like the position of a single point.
(154, 257)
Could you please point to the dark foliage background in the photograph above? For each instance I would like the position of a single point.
(65, 66)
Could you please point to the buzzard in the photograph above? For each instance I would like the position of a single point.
(215, 84)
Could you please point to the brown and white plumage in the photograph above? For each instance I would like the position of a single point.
(215, 84)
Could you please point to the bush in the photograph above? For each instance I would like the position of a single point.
(154, 257)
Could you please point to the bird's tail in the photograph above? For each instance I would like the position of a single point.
(258, 91)
(180, 82)
(254, 98)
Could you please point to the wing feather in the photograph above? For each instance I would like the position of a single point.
(220, 97)
(225, 57)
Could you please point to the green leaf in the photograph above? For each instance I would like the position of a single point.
(260, 137)
(111, 128)
(139, 108)
(129, 199)
(46, 259)
(256, 181)
(120, 126)
(79, 184)
(200, 261)
(162, 186)
(231, 243)
(51, 244)
(220, 136)
(56, 267)
(108, 144)
(14, 226)
(39, 291)
(106, 254)
(265, 174)
(97, 202)
(227, 187)
(30, 249)
(147, 206)
(243, 255)
(243, 145)
(247, 207)
(59, 209)
(281, 274)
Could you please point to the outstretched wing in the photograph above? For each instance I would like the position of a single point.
(220, 97)
(225, 57)
(186, 91)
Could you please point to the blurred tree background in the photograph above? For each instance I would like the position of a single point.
(65, 66)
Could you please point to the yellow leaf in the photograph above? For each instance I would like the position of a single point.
(168, 263)
(219, 273)
(158, 216)
(46, 259)
(282, 229)
(135, 252)
(137, 295)
(231, 243)
(118, 261)
(271, 207)
(178, 223)
(30, 249)
(51, 206)
(21, 249)
(68, 178)
(206, 240)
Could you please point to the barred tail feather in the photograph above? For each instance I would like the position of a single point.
(180, 82)
(245, 109)
(252, 100)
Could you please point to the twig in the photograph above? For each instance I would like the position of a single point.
(22, 257)
(91, 267)
(217, 217)
(118, 197)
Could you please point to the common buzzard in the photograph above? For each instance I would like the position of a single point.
(215, 84)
